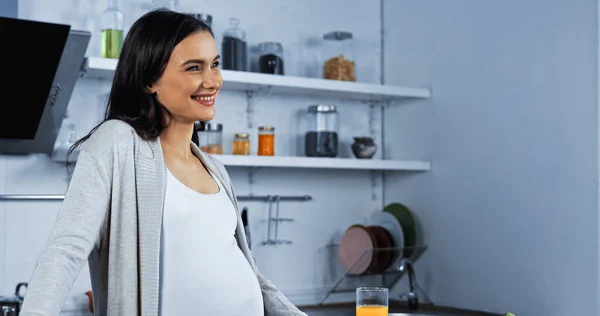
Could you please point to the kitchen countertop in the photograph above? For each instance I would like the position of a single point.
(402, 307)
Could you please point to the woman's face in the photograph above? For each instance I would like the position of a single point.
(191, 81)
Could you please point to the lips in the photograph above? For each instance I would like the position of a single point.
(204, 99)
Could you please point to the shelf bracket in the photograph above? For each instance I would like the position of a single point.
(250, 108)
(373, 185)
(250, 96)
(251, 172)
(372, 119)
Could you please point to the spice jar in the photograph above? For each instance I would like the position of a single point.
(241, 144)
(266, 141)
(211, 138)
(271, 58)
(339, 56)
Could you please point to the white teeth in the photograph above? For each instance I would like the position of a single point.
(212, 97)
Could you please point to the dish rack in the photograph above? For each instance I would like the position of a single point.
(349, 282)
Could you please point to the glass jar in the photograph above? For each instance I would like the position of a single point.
(234, 48)
(241, 144)
(266, 141)
(111, 21)
(204, 17)
(211, 138)
(321, 139)
(338, 56)
(271, 58)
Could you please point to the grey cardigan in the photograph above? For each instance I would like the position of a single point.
(112, 215)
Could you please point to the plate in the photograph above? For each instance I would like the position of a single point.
(391, 224)
(408, 223)
(356, 249)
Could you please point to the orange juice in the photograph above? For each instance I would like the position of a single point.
(372, 310)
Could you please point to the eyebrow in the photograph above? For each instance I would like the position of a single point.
(198, 61)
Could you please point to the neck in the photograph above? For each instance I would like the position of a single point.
(176, 139)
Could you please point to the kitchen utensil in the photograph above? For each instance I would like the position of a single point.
(14, 301)
(393, 227)
(408, 223)
(246, 226)
(356, 249)
(383, 254)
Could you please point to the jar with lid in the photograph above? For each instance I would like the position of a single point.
(241, 144)
(338, 56)
(271, 58)
(321, 140)
(234, 49)
(266, 141)
(211, 138)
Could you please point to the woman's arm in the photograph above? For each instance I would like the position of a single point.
(71, 240)
(276, 304)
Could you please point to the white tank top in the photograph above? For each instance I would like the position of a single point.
(203, 271)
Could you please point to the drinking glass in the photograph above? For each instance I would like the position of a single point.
(372, 301)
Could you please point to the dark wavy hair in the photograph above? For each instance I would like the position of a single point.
(144, 56)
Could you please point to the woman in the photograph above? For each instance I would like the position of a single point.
(156, 218)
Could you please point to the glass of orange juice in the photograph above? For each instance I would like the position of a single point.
(372, 301)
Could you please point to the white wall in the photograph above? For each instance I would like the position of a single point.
(510, 207)
(341, 198)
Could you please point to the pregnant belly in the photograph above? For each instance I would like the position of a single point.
(220, 283)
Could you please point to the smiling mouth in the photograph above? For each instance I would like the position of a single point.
(204, 100)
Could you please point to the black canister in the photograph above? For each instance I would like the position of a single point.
(321, 140)
(271, 58)
(234, 49)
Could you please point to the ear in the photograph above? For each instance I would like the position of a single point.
(152, 89)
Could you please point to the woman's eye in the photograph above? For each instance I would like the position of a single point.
(216, 64)
(193, 68)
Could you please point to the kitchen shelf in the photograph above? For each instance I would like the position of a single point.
(96, 67)
(322, 163)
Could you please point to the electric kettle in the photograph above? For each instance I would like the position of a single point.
(11, 305)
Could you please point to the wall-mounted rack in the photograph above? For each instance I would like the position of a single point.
(60, 197)
(273, 220)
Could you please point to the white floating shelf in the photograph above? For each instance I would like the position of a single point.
(322, 163)
(96, 67)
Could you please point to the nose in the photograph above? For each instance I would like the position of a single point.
(212, 80)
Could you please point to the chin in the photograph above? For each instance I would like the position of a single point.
(206, 116)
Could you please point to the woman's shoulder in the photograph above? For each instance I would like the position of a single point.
(110, 136)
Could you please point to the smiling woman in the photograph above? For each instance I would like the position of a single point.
(156, 218)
